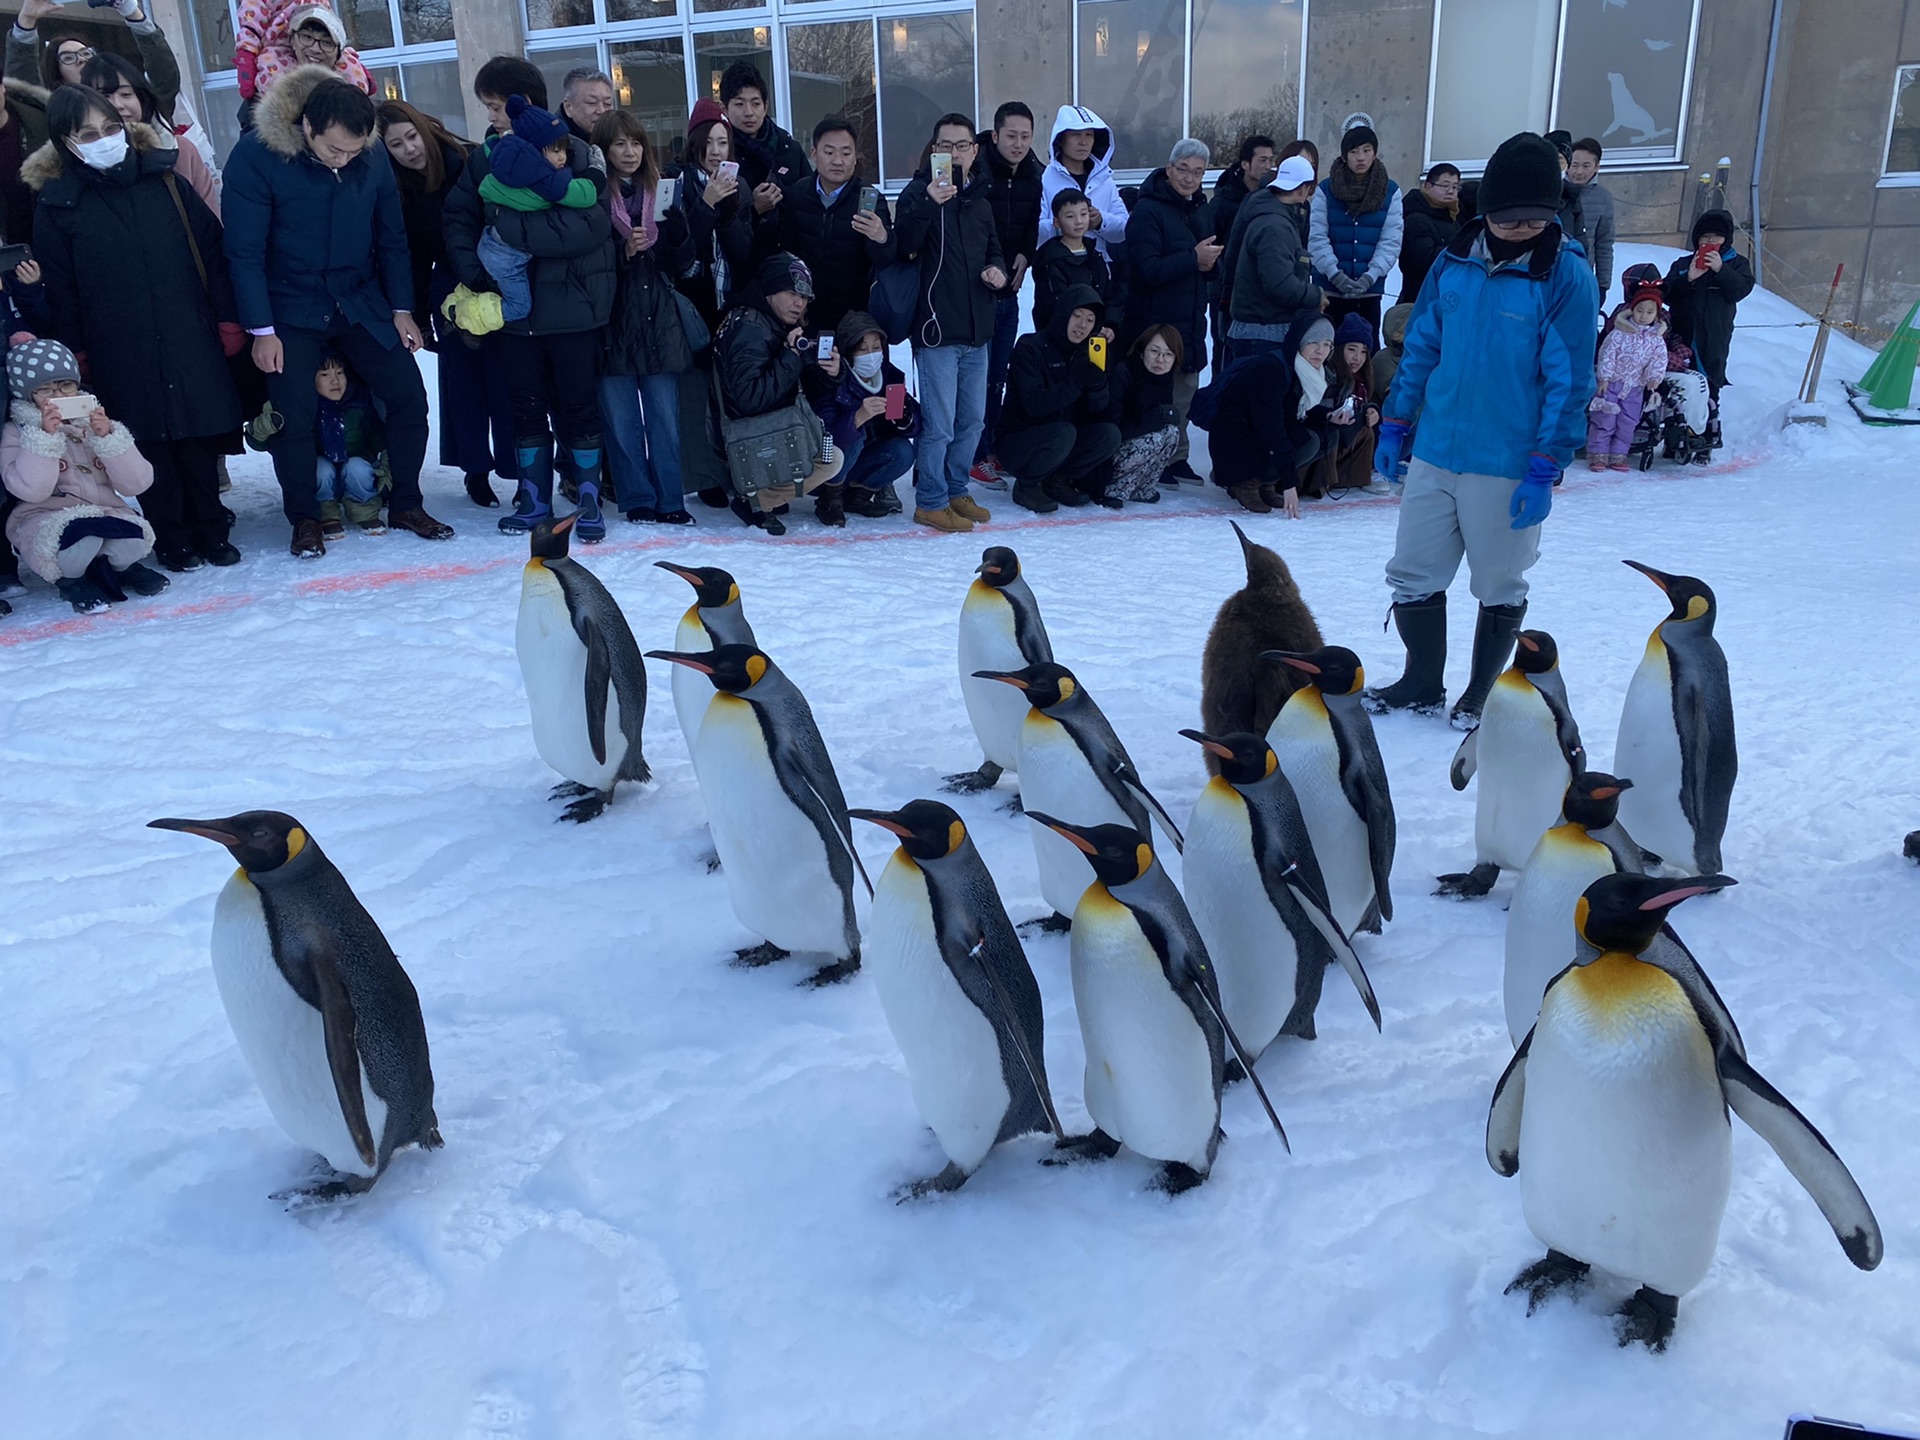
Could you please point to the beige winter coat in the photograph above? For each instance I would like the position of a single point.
(59, 479)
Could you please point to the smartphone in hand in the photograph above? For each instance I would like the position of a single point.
(1700, 256)
(943, 169)
(825, 350)
(1097, 351)
(869, 199)
(12, 257)
(896, 402)
(664, 194)
(74, 407)
(729, 170)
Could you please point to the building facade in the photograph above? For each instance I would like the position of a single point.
(1672, 88)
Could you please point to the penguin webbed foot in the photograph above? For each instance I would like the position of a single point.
(1369, 922)
(1233, 1072)
(754, 956)
(331, 1186)
(1470, 885)
(586, 807)
(570, 790)
(1547, 1277)
(972, 782)
(1095, 1145)
(1648, 1316)
(711, 860)
(1014, 807)
(1176, 1178)
(945, 1183)
(833, 974)
(1054, 924)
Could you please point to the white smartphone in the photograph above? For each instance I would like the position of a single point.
(826, 348)
(664, 193)
(729, 170)
(943, 169)
(74, 407)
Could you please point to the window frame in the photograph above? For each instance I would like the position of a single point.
(1134, 175)
(1676, 160)
(1896, 179)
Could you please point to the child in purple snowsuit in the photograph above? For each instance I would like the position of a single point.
(1633, 358)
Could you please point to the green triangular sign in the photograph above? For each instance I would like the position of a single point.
(1888, 383)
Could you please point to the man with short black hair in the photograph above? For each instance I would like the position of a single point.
(771, 160)
(318, 253)
(1014, 177)
(1596, 209)
(826, 223)
(502, 78)
(585, 96)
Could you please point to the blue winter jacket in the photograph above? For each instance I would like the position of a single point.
(1499, 358)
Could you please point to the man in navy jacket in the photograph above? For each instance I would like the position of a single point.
(318, 253)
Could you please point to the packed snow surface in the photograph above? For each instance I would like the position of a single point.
(665, 1203)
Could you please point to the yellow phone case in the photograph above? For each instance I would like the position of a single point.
(1097, 351)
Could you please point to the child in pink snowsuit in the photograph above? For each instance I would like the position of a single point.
(1633, 358)
(264, 49)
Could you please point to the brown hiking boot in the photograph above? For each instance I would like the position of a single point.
(1249, 498)
(418, 522)
(967, 508)
(945, 518)
(308, 543)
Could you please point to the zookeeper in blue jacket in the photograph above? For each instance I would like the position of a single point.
(1498, 372)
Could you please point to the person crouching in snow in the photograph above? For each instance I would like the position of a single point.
(876, 451)
(72, 525)
(348, 438)
(1352, 416)
(1633, 359)
(1149, 423)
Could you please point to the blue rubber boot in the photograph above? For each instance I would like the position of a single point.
(588, 523)
(534, 500)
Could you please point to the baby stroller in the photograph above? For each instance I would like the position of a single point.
(1674, 421)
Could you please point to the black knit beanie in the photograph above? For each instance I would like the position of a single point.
(1522, 180)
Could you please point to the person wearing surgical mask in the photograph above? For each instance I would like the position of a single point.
(156, 319)
(854, 406)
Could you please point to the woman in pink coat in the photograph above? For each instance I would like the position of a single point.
(73, 526)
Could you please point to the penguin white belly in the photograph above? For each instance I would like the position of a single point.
(1625, 1148)
(987, 642)
(1056, 780)
(282, 1038)
(1302, 739)
(774, 858)
(1647, 752)
(1253, 952)
(553, 663)
(951, 1049)
(1522, 775)
(1149, 1080)
(692, 691)
(1540, 936)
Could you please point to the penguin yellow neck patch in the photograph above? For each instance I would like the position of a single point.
(296, 841)
(1620, 986)
(1696, 607)
(956, 835)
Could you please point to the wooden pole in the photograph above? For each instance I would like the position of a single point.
(1810, 381)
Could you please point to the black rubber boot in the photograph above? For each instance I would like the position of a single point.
(1423, 687)
(1493, 636)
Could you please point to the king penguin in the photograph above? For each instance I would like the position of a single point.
(327, 1021)
(1323, 739)
(778, 816)
(1237, 691)
(1000, 630)
(1676, 733)
(715, 618)
(1614, 1113)
(1257, 896)
(1586, 844)
(1150, 1012)
(958, 993)
(1074, 766)
(1533, 753)
(586, 685)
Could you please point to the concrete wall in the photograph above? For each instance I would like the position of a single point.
(1025, 52)
(484, 29)
(1371, 55)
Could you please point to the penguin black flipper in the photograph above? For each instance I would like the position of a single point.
(599, 680)
(613, 662)
(1128, 776)
(1806, 1153)
(341, 1027)
(991, 968)
(1503, 1118)
(807, 776)
(1106, 756)
(1465, 760)
(1670, 954)
(1363, 780)
(1709, 755)
(1298, 895)
(1553, 689)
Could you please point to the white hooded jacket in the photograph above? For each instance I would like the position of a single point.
(1099, 187)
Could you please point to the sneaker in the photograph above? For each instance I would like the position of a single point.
(180, 559)
(375, 526)
(673, 517)
(85, 596)
(830, 510)
(418, 522)
(308, 543)
(528, 511)
(1030, 496)
(1375, 486)
(331, 530)
(480, 490)
(1109, 499)
(137, 579)
(1065, 494)
(942, 519)
(588, 523)
(220, 552)
(772, 524)
(987, 473)
(968, 508)
(642, 515)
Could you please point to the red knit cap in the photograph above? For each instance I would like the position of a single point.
(705, 112)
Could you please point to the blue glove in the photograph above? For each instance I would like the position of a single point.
(1386, 448)
(1533, 496)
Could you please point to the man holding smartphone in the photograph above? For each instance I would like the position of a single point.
(838, 224)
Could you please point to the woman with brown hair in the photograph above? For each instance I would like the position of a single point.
(1144, 410)
(475, 412)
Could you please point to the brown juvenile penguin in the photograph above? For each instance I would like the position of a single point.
(1238, 690)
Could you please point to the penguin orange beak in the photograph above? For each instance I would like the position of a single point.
(672, 569)
(1209, 744)
(561, 527)
(1298, 662)
(1658, 577)
(1066, 832)
(1013, 680)
(885, 819)
(218, 831)
(692, 662)
(1687, 889)
(1532, 645)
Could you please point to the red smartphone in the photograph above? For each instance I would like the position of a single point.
(896, 402)
(1700, 255)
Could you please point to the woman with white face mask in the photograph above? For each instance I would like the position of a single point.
(872, 419)
(156, 320)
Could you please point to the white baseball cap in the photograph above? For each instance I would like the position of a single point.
(1294, 171)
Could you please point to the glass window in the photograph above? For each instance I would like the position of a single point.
(1132, 74)
(1492, 75)
(830, 72)
(639, 10)
(213, 27)
(424, 21)
(369, 24)
(435, 90)
(1623, 75)
(717, 49)
(1246, 73)
(386, 82)
(650, 80)
(555, 65)
(926, 71)
(1903, 138)
(221, 117)
(703, 7)
(558, 14)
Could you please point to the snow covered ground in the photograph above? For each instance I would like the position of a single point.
(664, 1207)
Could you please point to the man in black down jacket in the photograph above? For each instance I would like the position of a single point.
(1704, 289)
(822, 222)
(771, 160)
(1014, 176)
(1171, 253)
(1430, 219)
(1055, 434)
(1269, 277)
(317, 251)
(948, 228)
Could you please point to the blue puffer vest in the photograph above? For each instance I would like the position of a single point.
(1355, 237)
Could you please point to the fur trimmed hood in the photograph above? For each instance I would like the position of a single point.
(28, 91)
(49, 162)
(276, 119)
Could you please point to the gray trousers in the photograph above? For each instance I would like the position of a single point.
(1444, 516)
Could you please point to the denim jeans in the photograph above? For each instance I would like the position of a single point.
(1006, 329)
(953, 405)
(508, 267)
(354, 475)
(876, 466)
(643, 445)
